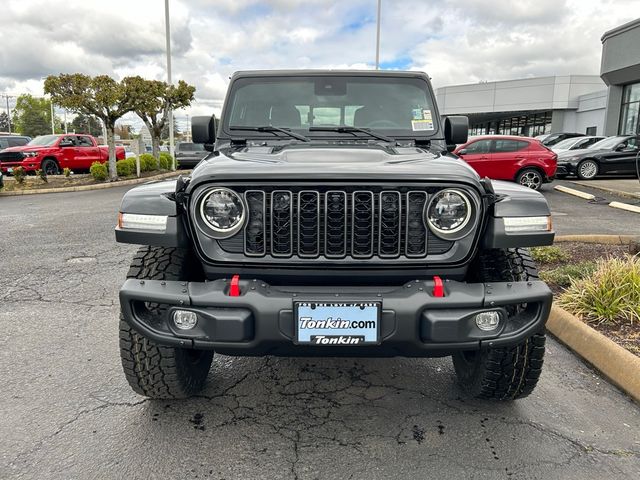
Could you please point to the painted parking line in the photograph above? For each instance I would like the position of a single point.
(574, 192)
(625, 206)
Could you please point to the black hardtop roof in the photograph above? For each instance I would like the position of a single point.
(338, 73)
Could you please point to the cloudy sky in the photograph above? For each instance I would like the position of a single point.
(454, 41)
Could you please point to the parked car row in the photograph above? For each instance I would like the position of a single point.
(531, 162)
(53, 153)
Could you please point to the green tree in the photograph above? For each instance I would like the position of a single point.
(165, 129)
(86, 124)
(32, 116)
(101, 96)
(4, 122)
(152, 101)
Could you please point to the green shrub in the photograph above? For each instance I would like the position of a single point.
(165, 160)
(19, 174)
(548, 254)
(611, 294)
(123, 168)
(148, 163)
(43, 175)
(99, 171)
(67, 172)
(563, 275)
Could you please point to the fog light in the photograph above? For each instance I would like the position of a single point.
(488, 321)
(184, 319)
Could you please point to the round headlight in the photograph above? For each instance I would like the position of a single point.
(449, 211)
(223, 211)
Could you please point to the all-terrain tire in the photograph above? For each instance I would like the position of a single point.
(153, 370)
(502, 373)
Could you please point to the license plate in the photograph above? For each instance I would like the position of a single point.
(337, 324)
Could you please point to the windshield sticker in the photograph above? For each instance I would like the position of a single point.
(422, 119)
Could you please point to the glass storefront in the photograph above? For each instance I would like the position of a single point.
(630, 115)
(532, 124)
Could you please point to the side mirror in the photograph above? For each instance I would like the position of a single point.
(456, 129)
(203, 130)
(66, 143)
(464, 151)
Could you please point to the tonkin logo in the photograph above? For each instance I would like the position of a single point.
(337, 339)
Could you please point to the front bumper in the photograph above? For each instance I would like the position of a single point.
(260, 321)
(566, 169)
(29, 165)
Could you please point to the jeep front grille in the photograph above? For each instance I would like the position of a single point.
(335, 224)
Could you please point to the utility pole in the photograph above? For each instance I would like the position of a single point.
(378, 37)
(170, 119)
(53, 130)
(7, 97)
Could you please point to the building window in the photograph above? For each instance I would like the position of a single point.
(591, 131)
(630, 116)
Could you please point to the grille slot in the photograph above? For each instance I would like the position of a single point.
(362, 224)
(254, 232)
(335, 224)
(416, 234)
(281, 223)
(308, 223)
(389, 224)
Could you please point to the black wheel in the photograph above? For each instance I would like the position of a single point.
(502, 373)
(50, 166)
(154, 370)
(587, 169)
(530, 177)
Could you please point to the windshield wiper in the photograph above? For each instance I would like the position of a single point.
(271, 128)
(349, 129)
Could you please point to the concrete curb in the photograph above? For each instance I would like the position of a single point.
(97, 186)
(625, 206)
(574, 192)
(606, 239)
(613, 191)
(617, 364)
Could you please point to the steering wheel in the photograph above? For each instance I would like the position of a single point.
(383, 124)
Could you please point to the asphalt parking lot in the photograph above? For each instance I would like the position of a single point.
(67, 412)
(573, 215)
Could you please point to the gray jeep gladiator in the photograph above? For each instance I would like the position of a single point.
(330, 219)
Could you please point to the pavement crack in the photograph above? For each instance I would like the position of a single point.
(76, 417)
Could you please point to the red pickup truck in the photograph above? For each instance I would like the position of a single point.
(52, 153)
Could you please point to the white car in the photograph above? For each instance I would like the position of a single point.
(576, 143)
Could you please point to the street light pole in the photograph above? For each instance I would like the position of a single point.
(378, 37)
(170, 116)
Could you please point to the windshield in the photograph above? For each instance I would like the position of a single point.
(191, 147)
(393, 106)
(567, 143)
(44, 140)
(608, 143)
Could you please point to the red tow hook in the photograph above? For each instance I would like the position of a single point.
(438, 287)
(234, 286)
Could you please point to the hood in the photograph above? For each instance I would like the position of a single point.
(25, 148)
(581, 152)
(333, 162)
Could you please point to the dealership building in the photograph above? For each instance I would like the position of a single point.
(608, 104)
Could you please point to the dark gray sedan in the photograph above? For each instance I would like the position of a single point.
(189, 154)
